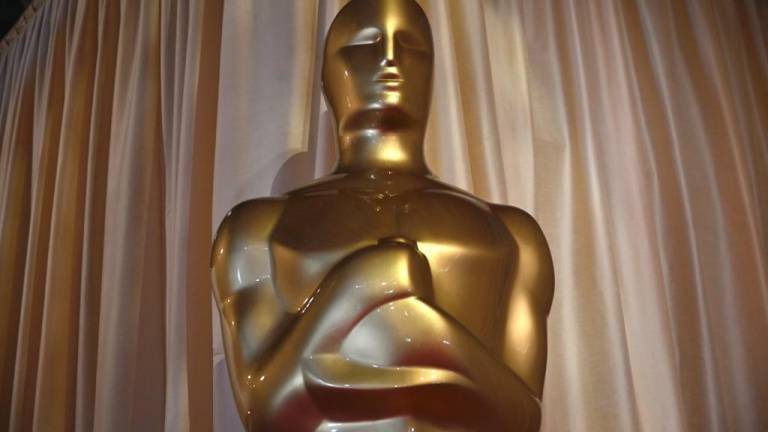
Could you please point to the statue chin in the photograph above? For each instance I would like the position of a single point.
(377, 120)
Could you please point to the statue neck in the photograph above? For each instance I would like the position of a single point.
(374, 150)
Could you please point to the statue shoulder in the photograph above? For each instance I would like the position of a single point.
(516, 218)
(530, 239)
(251, 221)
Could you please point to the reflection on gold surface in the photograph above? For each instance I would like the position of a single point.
(391, 151)
(379, 298)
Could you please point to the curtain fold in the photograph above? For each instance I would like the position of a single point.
(636, 132)
(103, 331)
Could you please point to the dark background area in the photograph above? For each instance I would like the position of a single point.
(10, 11)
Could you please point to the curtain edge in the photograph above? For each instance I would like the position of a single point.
(21, 25)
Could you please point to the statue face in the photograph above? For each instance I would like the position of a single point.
(378, 66)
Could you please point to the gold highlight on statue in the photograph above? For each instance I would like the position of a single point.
(378, 298)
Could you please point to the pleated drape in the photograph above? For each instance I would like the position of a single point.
(108, 118)
(635, 131)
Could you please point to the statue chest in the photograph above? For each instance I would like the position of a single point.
(469, 251)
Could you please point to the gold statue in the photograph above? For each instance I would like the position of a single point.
(379, 298)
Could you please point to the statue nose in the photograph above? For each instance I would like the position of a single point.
(389, 51)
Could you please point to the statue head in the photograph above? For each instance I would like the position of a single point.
(377, 78)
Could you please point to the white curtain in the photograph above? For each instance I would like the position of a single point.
(107, 119)
(635, 131)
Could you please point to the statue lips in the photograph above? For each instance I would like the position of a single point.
(389, 75)
(389, 80)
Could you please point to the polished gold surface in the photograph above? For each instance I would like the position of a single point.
(378, 298)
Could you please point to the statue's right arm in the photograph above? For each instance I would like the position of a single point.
(251, 311)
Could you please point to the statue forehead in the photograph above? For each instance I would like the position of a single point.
(359, 14)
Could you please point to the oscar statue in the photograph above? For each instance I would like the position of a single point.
(379, 298)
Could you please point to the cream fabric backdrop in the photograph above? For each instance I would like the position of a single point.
(635, 131)
(108, 127)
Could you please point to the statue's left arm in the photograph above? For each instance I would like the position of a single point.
(532, 288)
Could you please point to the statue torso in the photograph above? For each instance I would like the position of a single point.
(469, 250)
(272, 256)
